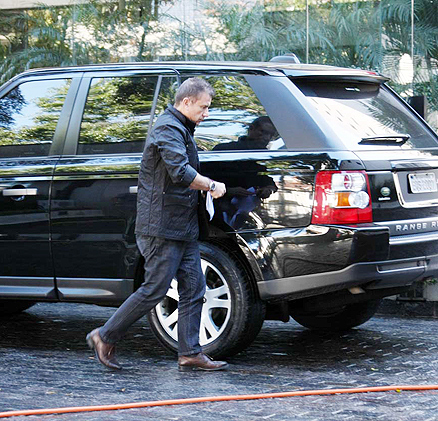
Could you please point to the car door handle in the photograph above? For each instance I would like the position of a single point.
(133, 189)
(20, 192)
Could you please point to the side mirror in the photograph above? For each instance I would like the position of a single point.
(419, 104)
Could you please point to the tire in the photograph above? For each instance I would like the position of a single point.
(11, 307)
(228, 326)
(347, 317)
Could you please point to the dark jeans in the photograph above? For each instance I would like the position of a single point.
(164, 260)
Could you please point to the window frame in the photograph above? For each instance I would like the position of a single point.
(72, 136)
(253, 79)
(57, 144)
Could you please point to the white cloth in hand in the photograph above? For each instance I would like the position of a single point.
(209, 205)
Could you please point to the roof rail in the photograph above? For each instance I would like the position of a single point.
(286, 58)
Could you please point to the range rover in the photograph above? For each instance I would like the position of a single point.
(332, 199)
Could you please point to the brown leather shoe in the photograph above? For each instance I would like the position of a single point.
(104, 352)
(200, 362)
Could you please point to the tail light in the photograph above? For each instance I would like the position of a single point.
(342, 197)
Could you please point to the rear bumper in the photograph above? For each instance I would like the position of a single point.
(372, 275)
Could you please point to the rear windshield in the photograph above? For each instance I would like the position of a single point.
(367, 115)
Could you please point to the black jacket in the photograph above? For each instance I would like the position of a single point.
(166, 206)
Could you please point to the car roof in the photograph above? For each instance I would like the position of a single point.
(294, 70)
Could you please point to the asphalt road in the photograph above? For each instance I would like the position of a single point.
(45, 363)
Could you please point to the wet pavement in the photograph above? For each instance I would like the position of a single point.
(45, 363)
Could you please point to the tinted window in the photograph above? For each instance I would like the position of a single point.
(29, 115)
(116, 115)
(237, 119)
(168, 87)
(366, 115)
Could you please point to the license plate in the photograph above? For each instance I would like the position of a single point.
(422, 182)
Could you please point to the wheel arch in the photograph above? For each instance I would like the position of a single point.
(233, 244)
(237, 247)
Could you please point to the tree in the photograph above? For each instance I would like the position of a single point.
(93, 32)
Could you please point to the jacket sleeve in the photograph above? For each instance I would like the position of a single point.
(172, 149)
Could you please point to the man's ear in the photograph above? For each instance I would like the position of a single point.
(186, 101)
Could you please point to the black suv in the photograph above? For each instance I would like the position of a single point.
(331, 205)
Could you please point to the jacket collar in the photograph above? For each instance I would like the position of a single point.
(191, 125)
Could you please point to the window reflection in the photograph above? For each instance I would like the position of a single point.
(116, 115)
(358, 110)
(28, 117)
(237, 120)
(261, 131)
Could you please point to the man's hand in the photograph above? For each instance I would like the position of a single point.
(219, 191)
(203, 183)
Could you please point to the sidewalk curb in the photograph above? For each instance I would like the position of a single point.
(409, 308)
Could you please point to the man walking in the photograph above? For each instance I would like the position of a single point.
(167, 230)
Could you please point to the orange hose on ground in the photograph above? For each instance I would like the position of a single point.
(214, 399)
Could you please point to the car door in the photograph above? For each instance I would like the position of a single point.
(94, 190)
(33, 112)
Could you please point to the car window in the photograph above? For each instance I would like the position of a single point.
(237, 119)
(116, 115)
(29, 114)
(366, 115)
(166, 96)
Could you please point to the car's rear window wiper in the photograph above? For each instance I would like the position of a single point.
(398, 139)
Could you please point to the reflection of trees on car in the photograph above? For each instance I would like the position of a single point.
(41, 126)
(117, 110)
(234, 93)
(233, 109)
(10, 104)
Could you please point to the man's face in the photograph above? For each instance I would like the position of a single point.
(262, 133)
(196, 109)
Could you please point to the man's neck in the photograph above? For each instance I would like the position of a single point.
(180, 109)
(189, 123)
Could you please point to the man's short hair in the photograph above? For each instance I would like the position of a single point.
(259, 121)
(193, 88)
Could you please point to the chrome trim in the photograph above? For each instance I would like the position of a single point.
(415, 165)
(408, 221)
(428, 225)
(20, 192)
(18, 180)
(414, 238)
(419, 204)
(133, 189)
(94, 176)
(399, 267)
(20, 172)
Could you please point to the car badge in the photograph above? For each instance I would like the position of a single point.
(385, 191)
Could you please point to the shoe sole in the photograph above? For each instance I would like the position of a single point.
(194, 368)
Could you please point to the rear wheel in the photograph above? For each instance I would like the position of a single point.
(10, 307)
(232, 314)
(344, 318)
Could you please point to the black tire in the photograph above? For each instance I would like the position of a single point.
(346, 317)
(11, 307)
(239, 325)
